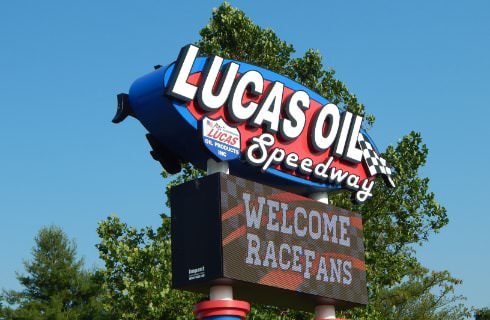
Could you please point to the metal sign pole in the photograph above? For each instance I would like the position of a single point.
(217, 166)
(323, 312)
(221, 305)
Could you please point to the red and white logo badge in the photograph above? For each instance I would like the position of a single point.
(221, 139)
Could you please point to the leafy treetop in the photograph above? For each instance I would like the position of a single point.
(55, 285)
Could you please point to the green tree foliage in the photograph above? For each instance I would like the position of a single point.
(423, 295)
(137, 275)
(396, 220)
(55, 285)
(482, 314)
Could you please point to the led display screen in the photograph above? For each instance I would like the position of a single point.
(273, 246)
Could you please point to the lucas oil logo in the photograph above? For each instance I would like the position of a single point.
(221, 139)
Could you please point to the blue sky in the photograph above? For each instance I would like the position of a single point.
(416, 65)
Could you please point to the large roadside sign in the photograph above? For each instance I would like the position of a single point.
(268, 127)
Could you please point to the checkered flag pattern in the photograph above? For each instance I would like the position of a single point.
(374, 162)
